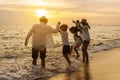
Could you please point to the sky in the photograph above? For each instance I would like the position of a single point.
(97, 12)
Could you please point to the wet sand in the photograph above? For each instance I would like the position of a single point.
(104, 65)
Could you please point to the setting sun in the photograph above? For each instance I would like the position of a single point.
(41, 12)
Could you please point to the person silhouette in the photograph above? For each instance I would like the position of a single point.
(39, 33)
(86, 39)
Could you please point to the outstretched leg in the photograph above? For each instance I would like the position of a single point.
(67, 58)
(75, 48)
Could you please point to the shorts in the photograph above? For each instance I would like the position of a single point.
(66, 49)
(35, 53)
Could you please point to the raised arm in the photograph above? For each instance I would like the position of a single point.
(57, 28)
(88, 25)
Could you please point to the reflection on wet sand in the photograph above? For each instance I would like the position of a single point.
(86, 72)
(82, 74)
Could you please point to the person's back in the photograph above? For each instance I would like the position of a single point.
(86, 39)
(64, 37)
(40, 32)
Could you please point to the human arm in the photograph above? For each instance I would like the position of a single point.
(28, 36)
(57, 28)
(88, 25)
(77, 24)
(74, 21)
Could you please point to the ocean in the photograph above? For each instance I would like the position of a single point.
(12, 38)
(15, 58)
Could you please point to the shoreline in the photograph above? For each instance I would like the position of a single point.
(103, 66)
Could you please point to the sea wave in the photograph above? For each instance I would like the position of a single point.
(105, 45)
(12, 38)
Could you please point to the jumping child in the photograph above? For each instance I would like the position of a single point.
(77, 40)
(66, 44)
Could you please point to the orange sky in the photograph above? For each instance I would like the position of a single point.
(104, 12)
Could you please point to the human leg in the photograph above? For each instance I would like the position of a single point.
(42, 57)
(75, 48)
(43, 63)
(71, 49)
(34, 56)
(85, 53)
(66, 51)
(66, 56)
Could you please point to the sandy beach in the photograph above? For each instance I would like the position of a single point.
(103, 66)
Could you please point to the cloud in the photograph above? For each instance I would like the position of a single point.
(60, 5)
(63, 8)
(16, 17)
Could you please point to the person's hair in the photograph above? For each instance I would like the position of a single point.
(64, 27)
(73, 30)
(84, 20)
(43, 19)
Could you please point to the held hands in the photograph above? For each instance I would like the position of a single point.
(57, 26)
(73, 21)
(59, 23)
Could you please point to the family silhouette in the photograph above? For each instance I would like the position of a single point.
(40, 32)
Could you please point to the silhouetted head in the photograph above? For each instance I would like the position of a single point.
(64, 27)
(43, 19)
(83, 21)
(73, 30)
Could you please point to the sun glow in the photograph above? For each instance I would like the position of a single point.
(44, 12)
(41, 12)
